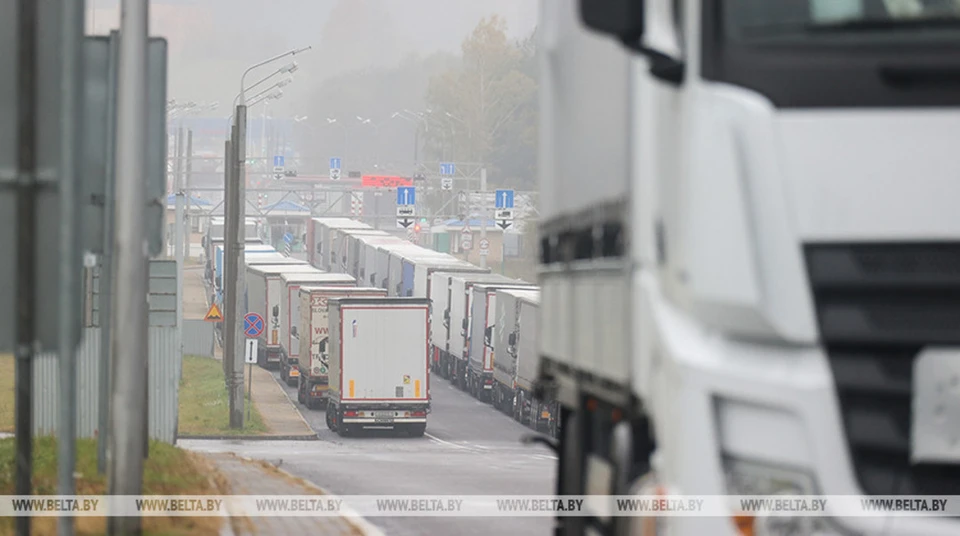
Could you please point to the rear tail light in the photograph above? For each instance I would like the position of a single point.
(488, 381)
(349, 413)
(418, 414)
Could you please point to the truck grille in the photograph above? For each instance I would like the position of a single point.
(877, 306)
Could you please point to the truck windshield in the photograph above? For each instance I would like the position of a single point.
(835, 53)
(748, 20)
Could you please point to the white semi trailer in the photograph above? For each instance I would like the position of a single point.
(314, 339)
(515, 361)
(482, 322)
(264, 289)
(378, 365)
(756, 290)
(290, 284)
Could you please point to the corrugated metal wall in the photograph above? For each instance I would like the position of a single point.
(165, 363)
(198, 337)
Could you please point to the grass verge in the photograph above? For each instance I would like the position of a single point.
(204, 408)
(6, 393)
(168, 471)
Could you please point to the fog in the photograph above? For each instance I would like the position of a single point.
(212, 41)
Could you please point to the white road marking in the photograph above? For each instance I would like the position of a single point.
(449, 444)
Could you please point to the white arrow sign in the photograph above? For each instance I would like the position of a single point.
(250, 356)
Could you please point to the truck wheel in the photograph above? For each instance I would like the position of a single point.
(417, 429)
(331, 425)
(283, 373)
(311, 402)
(301, 390)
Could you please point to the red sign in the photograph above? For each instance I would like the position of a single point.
(384, 181)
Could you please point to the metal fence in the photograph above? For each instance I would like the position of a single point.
(164, 379)
(198, 337)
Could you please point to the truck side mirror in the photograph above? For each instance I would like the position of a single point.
(319, 248)
(276, 310)
(488, 337)
(323, 346)
(203, 242)
(623, 19)
(293, 331)
(627, 21)
(464, 324)
(512, 339)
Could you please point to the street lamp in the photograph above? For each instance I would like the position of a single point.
(289, 68)
(243, 77)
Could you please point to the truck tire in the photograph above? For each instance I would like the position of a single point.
(301, 391)
(332, 426)
(417, 429)
(283, 373)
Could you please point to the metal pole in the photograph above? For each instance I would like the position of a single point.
(483, 212)
(235, 241)
(229, 260)
(178, 240)
(26, 247)
(71, 105)
(107, 269)
(125, 475)
(186, 194)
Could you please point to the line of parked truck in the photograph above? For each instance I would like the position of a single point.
(362, 322)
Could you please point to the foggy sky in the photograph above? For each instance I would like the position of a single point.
(212, 41)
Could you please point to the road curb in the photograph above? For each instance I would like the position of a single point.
(359, 522)
(298, 437)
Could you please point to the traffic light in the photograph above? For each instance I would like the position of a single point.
(416, 227)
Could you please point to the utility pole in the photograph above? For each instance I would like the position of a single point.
(71, 88)
(129, 389)
(27, 83)
(106, 271)
(189, 170)
(227, 269)
(176, 187)
(233, 287)
(229, 260)
(483, 212)
(178, 240)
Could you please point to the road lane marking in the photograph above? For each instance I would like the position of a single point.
(454, 445)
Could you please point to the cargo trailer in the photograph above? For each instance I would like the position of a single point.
(290, 315)
(481, 345)
(459, 291)
(378, 364)
(264, 289)
(314, 338)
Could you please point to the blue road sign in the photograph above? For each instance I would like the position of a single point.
(406, 195)
(448, 168)
(504, 198)
(335, 162)
(288, 238)
(253, 325)
(278, 162)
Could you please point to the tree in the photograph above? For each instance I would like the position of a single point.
(484, 110)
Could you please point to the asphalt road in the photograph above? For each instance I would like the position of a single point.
(469, 448)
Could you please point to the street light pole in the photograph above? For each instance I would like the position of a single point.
(130, 284)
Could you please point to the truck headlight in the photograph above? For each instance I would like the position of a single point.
(753, 478)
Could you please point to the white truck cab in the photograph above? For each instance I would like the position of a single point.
(764, 267)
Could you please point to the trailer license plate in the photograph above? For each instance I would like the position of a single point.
(383, 416)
